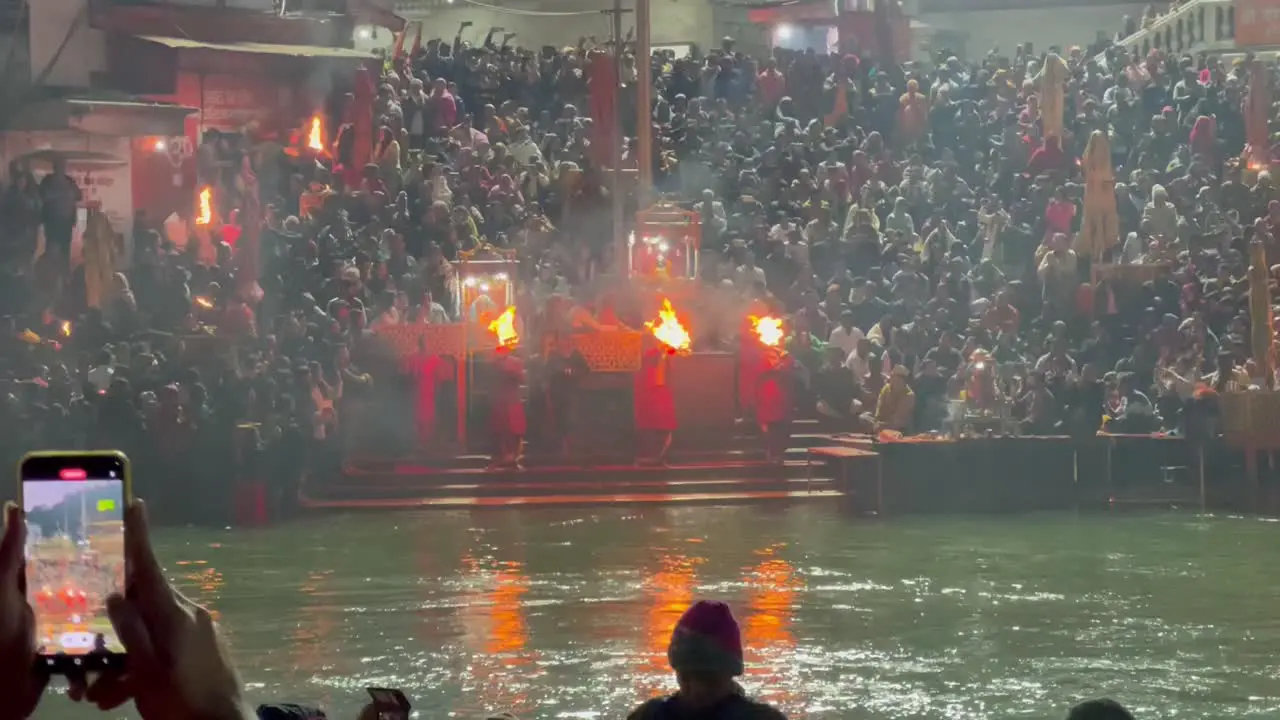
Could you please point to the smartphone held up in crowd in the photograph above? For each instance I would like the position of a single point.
(74, 503)
(390, 703)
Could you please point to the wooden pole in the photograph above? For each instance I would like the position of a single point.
(615, 153)
(644, 102)
(1260, 311)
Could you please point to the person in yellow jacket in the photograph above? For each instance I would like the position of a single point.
(1100, 228)
(897, 402)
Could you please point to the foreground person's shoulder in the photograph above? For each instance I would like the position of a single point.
(651, 709)
(763, 711)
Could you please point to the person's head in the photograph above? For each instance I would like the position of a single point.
(1124, 382)
(706, 652)
(1159, 196)
(898, 378)
(864, 289)
(1102, 709)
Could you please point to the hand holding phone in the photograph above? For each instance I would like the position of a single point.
(74, 505)
(17, 626)
(155, 624)
(389, 704)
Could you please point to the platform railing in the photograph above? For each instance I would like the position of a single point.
(1193, 27)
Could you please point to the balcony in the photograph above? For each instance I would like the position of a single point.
(1195, 26)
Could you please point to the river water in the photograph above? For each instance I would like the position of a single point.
(566, 612)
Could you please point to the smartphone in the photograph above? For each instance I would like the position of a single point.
(390, 703)
(74, 504)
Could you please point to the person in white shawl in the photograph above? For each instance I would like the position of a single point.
(1160, 217)
(1100, 230)
(1052, 81)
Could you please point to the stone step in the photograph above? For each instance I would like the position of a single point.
(733, 496)
(516, 481)
(473, 466)
(746, 450)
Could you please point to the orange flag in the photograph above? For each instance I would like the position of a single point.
(399, 48)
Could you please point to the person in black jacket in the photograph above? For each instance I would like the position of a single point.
(706, 654)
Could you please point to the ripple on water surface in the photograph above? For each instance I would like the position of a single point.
(566, 613)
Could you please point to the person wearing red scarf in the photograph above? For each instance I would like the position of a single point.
(1049, 158)
(1204, 141)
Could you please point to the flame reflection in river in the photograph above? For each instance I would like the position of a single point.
(496, 632)
(768, 642)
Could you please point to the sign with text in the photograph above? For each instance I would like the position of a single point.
(229, 102)
(1257, 23)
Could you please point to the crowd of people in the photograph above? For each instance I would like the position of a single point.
(929, 232)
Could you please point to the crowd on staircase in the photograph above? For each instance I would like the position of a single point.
(1063, 237)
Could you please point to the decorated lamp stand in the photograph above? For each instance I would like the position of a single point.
(485, 286)
(484, 292)
(665, 244)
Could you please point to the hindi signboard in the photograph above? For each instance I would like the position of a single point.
(1257, 23)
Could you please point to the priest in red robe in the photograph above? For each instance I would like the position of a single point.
(655, 406)
(775, 401)
(428, 370)
(507, 422)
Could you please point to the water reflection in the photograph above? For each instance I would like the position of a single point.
(313, 640)
(201, 582)
(770, 645)
(496, 631)
(846, 620)
(667, 593)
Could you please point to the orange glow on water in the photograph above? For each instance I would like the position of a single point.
(669, 592)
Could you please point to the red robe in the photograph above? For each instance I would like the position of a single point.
(750, 352)
(655, 406)
(773, 389)
(429, 370)
(506, 412)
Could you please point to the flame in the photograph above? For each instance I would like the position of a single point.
(315, 138)
(668, 328)
(204, 302)
(204, 215)
(66, 328)
(768, 329)
(505, 328)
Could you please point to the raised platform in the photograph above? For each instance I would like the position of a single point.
(860, 473)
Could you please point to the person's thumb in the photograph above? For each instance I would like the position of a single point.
(11, 546)
(133, 634)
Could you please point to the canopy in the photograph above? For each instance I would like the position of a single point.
(308, 51)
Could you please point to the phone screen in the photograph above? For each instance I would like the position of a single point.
(390, 703)
(74, 506)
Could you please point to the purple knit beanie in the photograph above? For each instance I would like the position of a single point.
(707, 640)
